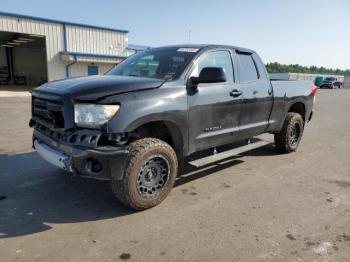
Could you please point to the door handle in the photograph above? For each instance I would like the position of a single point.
(235, 93)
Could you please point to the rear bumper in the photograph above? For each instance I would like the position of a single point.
(100, 163)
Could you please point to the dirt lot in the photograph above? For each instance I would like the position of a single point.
(258, 207)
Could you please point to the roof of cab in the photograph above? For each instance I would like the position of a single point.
(207, 46)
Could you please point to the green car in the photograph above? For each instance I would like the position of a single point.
(318, 80)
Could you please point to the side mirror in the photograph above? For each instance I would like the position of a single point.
(210, 75)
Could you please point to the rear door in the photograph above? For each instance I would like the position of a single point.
(257, 98)
(213, 111)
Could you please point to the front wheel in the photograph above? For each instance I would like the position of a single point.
(149, 176)
(288, 139)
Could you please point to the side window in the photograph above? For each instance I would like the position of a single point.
(215, 59)
(247, 69)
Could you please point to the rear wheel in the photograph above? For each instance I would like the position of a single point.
(149, 175)
(288, 139)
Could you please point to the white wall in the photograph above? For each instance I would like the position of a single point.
(80, 39)
(81, 68)
(54, 40)
(95, 41)
(279, 76)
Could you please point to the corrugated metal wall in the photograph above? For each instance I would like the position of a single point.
(81, 69)
(99, 59)
(95, 41)
(54, 41)
(80, 39)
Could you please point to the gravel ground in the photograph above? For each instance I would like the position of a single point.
(260, 206)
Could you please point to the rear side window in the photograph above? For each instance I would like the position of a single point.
(247, 68)
(215, 59)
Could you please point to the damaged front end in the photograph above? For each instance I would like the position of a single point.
(87, 152)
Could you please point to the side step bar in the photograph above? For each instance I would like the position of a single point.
(229, 153)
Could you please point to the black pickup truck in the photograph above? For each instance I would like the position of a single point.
(331, 82)
(137, 124)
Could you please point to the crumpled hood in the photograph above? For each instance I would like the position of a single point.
(97, 87)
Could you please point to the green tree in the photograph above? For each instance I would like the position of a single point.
(296, 68)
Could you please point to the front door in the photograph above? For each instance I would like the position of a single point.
(213, 111)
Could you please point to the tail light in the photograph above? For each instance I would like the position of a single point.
(313, 90)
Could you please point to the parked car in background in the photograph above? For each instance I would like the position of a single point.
(331, 82)
(318, 80)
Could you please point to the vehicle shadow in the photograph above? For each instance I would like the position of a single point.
(36, 194)
(191, 173)
(17, 88)
(33, 194)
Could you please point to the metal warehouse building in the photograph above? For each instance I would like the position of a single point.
(35, 50)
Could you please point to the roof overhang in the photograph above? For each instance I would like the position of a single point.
(90, 58)
(19, 16)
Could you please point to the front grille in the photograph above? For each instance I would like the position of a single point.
(86, 138)
(48, 112)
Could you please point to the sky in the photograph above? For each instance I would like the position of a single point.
(309, 32)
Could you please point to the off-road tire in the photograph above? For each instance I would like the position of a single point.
(283, 138)
(140, 150)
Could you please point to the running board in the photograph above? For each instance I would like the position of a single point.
(226, 154)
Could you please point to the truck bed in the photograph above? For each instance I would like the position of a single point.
(286, 93)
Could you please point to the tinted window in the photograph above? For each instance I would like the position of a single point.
(165, 64)
(247, 68)
(215, 59)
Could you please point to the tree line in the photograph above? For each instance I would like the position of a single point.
(280, 68)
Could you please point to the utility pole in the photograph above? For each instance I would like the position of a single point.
(189, 36)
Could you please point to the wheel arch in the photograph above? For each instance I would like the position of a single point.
(298, 107)
(165, 130)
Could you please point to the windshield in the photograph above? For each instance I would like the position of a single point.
(167, 64)
(330, 79)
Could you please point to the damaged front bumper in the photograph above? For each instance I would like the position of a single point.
(105, 162)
